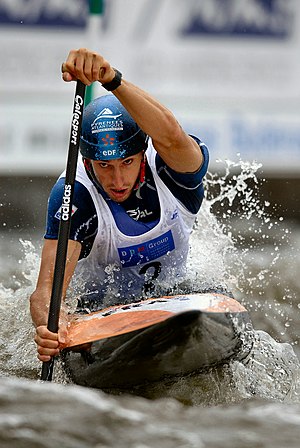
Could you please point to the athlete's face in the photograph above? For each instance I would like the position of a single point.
(118, 177)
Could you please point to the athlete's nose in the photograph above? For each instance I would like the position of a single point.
(118, 179)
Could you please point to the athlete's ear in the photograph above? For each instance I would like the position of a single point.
(87, 164)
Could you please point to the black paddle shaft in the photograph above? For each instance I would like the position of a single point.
(65, 221)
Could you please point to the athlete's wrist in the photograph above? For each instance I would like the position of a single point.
(115, 82)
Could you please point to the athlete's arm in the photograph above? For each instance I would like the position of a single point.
(179, 151)
(48, 342)
(82, 233)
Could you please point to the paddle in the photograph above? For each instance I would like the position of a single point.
(65, 221)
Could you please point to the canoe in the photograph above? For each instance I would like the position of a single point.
(130, 344)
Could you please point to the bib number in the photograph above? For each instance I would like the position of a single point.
(151, 271)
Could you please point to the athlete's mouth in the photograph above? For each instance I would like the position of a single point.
(119, 191)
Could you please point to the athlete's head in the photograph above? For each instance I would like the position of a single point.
(109, 132)
(112, 146)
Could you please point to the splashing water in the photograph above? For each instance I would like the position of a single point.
(242, 251)
(17, 333)
(237, 251)
(216, 261)
(233, 238)
(270, 371)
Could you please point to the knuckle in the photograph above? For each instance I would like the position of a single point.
(82, 50)
(41, 350)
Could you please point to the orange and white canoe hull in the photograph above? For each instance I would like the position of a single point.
(146, 341)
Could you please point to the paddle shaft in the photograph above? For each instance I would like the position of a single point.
(65, 221)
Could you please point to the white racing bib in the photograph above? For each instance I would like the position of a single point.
(121, 267)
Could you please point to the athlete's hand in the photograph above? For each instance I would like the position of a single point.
(88, 66)
(48, 343)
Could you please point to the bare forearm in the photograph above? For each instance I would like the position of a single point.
(40, 298)
(39, 307)
(154, 118)
(177, 149)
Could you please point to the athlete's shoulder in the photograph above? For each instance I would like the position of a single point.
(82, 201)
(183, 180)
(205, 152)
(186, 187)
(84, 220)
(81, 193)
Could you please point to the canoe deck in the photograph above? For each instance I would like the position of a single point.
(156, 338)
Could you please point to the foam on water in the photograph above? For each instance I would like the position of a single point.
(224, 255)
(50, 415)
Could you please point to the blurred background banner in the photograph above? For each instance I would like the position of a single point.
(228, 69)
(44, 13)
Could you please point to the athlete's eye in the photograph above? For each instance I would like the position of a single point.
(127, 161)
(102, 164)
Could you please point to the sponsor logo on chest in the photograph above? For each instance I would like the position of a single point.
(147, 251)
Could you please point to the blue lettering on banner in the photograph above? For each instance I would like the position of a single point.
(258, 139)
(263, 18)
(49, 13)
(147, 251)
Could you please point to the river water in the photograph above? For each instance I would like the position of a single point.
(257, 404)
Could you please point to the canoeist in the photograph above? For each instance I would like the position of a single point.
(138, 190)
